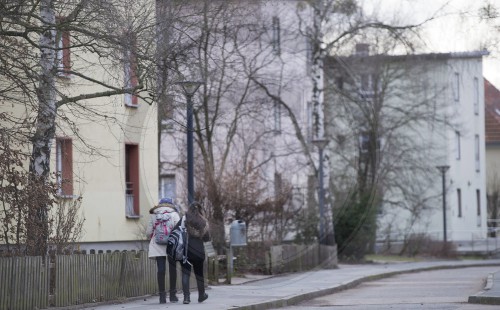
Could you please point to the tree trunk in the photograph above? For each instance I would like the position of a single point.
(44, 131)
(318, 54)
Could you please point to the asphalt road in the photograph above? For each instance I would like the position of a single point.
(446, 289)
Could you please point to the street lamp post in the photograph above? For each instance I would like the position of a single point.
(443, 170)
(190, 88)
(321, 144)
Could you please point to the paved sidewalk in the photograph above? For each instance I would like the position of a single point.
(283, 290)
(491, 293)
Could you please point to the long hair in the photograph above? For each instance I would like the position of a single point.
(196, 223)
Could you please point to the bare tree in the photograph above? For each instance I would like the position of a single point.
(19, 197)
(250, 62)
(50, 52)
(493, 196)
(234, 130)
(324, 28)
(381, 104)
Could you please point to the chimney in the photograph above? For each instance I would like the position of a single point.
(362, 49)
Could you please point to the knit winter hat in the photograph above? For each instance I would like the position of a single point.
(166, 200)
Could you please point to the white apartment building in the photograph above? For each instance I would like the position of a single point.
(399, 117)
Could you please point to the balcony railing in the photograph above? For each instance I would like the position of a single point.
(129, 201)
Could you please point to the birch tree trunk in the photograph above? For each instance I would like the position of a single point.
(318, 54)
(45, 129)
(318, 130)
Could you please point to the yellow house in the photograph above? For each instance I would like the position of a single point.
(111, 161)
(105, 148)
(114, 168)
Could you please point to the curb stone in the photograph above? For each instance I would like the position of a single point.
(294, 300)
(490, 294)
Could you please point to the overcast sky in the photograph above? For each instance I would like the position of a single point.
(455, 28)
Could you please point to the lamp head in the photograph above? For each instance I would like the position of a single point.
(320, 143)
(190, 87)
(443, 168)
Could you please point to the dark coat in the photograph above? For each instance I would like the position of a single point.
(198, 232)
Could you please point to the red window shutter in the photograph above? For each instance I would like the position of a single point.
(132, 174)
(64, 166)
(67, 167)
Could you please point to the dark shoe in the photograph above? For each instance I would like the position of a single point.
(203, 297)
(173, 298)
(163, 298)
(186, 299)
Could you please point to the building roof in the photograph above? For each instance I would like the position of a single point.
(492, 112)
(428, 56)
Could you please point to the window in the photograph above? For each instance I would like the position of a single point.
(64, 166)
(167, 186)
(366, 82)
(277, 117)
(278, 184)
(456, 87)
(165, 108)
(459, 202)
(368, 85)
(309, 55)
(339, 83)
(457, 144)
(309, 111)
(476, 96)
(476, 152)
(478, 201)
(63, 56)
(130, 73)
(276, 40)
(365, 143)
(132, 180)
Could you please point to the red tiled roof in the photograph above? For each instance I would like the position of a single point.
(492, 112)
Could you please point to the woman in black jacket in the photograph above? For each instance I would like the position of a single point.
(197, 228)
